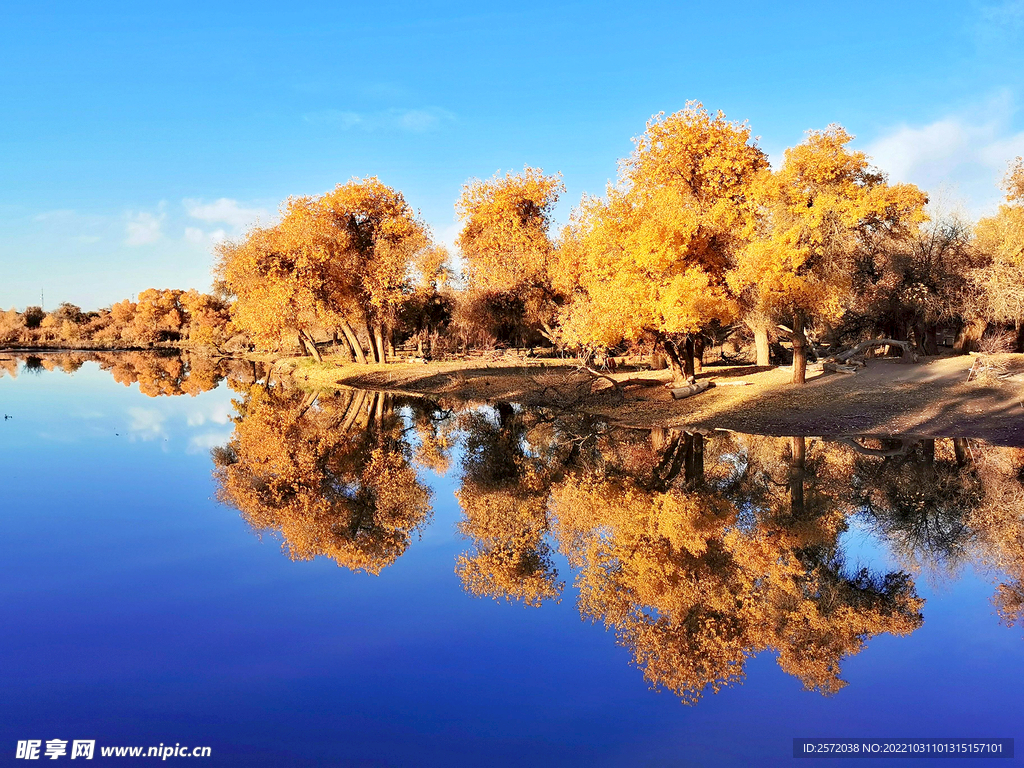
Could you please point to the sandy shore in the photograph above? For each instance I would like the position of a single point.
(930, 398)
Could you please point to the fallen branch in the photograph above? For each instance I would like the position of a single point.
(908, 352)
(691, 389)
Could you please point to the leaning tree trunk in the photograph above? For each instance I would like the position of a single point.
(378, 342)
(799, 349)
(353, 342)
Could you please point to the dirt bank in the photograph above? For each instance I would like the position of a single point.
(931, 398)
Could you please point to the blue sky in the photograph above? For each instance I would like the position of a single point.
(135, 135)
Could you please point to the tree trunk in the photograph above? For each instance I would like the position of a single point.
(353, 342)
(928, 449)
(659, 438)
(961, 451)
(970, 336)
(797, 462)
(931, 339)
(378, 340)
(799, 349)
(389, 336)
(761, 347)
(672, 355)
(689, 370)
(659, 362)
(699, 345)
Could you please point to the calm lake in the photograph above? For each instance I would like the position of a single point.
(195, 555)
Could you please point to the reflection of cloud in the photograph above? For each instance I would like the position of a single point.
(207, 440)
(408, 120)
(969, 151)
(218, 413)
(146, 423)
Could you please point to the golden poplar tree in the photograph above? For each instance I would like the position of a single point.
(506, 244)
(816, 217)
(650, 258)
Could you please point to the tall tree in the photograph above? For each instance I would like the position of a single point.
(506, 244)
(817, 216)
(650, 258)
(1000, 243)
(336, 260)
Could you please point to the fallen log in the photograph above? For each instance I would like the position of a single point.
(909, 356)
(691, 389)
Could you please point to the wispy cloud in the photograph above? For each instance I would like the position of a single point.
(196, 235)
(143, 228)
(223, 211)
(422, 120)
(968, 152)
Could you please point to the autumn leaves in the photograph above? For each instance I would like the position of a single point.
(697, 234)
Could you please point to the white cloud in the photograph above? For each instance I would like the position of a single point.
(196, 235)
(144, 228)
(420, 120)
(968, 152)
(223, 211)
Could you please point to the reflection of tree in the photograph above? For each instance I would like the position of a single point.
(918, 498)
(504, 502)
(332, 477)
(943, 503)
(696, 579)
(999, 523)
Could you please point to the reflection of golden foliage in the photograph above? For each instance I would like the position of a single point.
(504, 503)
(331, 479)
(694, 588)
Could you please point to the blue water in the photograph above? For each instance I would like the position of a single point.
(137, 610)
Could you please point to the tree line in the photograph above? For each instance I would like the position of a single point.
(699, 239)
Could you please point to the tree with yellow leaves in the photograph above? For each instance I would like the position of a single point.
(506, 244)
(650, 258)
(339, 259)
(503, 497)
(1000, 242)
(696, 578)
(818, 216)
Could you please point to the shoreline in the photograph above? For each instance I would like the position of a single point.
(932, 398)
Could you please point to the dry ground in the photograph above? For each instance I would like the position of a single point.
(931, 398)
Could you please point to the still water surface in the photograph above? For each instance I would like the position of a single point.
(364, 580)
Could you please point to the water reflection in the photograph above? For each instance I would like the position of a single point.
(698, 550)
